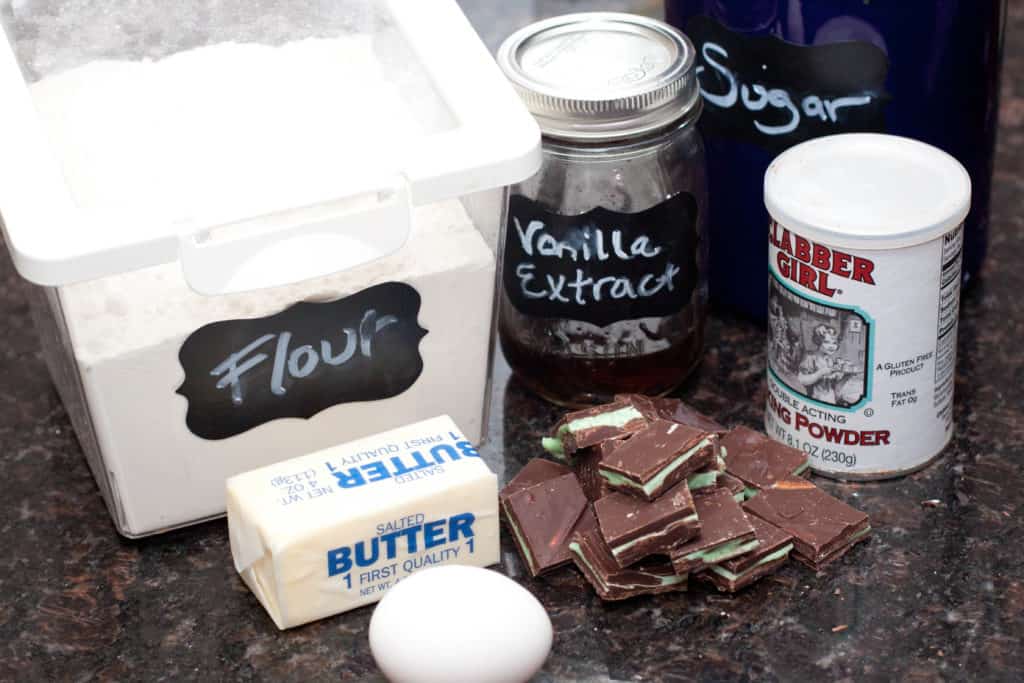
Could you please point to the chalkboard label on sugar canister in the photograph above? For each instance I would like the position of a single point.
(601, 266)
(775, 94)
(941, 86)
(242, 373)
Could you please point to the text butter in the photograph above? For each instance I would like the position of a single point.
(334, 530)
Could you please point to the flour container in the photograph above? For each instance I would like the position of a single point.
(775, 73)
(255, 230)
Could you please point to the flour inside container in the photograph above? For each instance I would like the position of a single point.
(218, 125)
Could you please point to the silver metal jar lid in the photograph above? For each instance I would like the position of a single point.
(601, 76)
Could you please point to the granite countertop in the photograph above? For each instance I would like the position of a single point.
(937, 593)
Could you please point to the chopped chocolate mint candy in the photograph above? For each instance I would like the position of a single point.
(759, 461)
(656, 458)
(553, 444)
(774, 546)
(725, 532)
(823, 527)
(542, 517)
(586, 462)
(635, 529)
(671, 409)
(707, 478)
(736, 487)
(704, 480)
(677, 411)
(534, 472)
(585, 428)
(585, 465)
(593, 557)
(645, 405)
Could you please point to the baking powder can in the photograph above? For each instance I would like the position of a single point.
(865, 252)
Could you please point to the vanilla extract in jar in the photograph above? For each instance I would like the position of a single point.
(604, 285)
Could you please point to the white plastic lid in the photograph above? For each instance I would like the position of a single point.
(867, 191)
(294, 136)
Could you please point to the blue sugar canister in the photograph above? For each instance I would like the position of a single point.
(775, 73)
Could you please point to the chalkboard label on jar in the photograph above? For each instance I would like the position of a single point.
(775, 94)
(601, 266)
(297, 363)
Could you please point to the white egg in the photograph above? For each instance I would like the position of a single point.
(457, 624)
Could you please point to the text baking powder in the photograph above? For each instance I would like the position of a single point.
(865, 248)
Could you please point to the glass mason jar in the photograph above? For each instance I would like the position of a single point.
(604, 288)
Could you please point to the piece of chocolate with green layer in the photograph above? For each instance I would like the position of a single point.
(542, 514)
(760, 462)
(586, 428)
(536, 471)
(593, 557)
(634, 528)
(736, 487)
(774, 546)
(725, 532)
(712, 475)
(657, 458)
(585, 463)
(824, 528)
(704, 480)
(677, 411)
(645, 405)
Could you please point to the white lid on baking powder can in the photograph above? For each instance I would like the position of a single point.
(864, 253)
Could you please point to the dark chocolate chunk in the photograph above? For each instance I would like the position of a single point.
(770, 539)
(736, 487)
(672, 409)
(677, 411)
(774, 546)
(645, 405)
(586, 462)
(727, 582)
(725, 532)
(585, 428)
(707, 477)
(593, 557)
(704, 479)
(656, 458)
(635, 529)
(823, 527)
(542, 517)
(534, 472)
(585, 465)
(759, 461)
(596, 487)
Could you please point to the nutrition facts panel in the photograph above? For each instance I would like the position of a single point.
(949, 309)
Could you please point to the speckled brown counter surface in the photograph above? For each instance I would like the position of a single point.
(938, 593)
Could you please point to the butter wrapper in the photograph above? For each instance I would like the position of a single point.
(334, 530)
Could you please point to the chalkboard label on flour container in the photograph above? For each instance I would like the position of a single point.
(242, 373)
(601, 266)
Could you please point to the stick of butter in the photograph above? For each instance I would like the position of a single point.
(334, 530)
